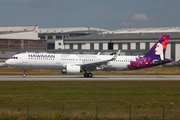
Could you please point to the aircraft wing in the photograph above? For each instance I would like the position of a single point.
(93, 65)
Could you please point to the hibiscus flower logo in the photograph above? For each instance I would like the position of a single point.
(139, 63)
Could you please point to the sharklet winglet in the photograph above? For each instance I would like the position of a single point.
(115, 56)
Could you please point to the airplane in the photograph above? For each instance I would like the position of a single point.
(76, 63)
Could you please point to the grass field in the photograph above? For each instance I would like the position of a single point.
(164, 70)
(89, 100)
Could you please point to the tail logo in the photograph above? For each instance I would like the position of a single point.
(161, 48)
(156, 53)
(165, 43)
(159, 51)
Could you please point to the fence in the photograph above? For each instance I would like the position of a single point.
(131, 112)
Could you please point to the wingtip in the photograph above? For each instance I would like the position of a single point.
(118, 52)
(98, 53)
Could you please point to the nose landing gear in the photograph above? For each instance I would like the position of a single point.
(24, 74)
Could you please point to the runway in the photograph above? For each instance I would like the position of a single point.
(95, 78)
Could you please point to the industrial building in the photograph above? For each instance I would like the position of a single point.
(55, 36)
(131, 41)
(15, 39)
(88, 40)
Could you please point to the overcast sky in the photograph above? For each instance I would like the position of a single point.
(106, 14)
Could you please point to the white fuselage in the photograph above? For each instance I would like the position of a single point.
(59, 61)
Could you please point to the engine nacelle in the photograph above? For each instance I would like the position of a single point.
(71, 69)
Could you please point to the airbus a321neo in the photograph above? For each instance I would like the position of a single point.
(76, 63)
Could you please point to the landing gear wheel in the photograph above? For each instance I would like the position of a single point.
(86, 75)
(24, 74)
(90, 75)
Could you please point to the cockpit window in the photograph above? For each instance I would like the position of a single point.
(14, 57)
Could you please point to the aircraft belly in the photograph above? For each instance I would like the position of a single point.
(46, 66)
(40, 65)
(118, 66)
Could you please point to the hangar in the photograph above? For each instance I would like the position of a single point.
(87, 40)
(15, 39)
(55, 36)
(131, 41)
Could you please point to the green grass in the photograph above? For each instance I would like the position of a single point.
(79, 100)
(164, 70)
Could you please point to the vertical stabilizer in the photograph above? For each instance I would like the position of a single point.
(155, 56)
(157, 52)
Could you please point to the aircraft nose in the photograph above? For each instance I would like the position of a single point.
(7, 62)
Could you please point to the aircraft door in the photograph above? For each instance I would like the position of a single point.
(24, 58)
(58, 60)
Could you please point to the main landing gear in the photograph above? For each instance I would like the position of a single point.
(24, 74)
(90, 75)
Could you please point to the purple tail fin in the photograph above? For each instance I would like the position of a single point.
(157, 52)
(154, 57)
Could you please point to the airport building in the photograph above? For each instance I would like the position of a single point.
(16, 39)
(56, 36)
(131, 41)
(88, 40)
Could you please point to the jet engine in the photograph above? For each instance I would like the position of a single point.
(71, 69)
